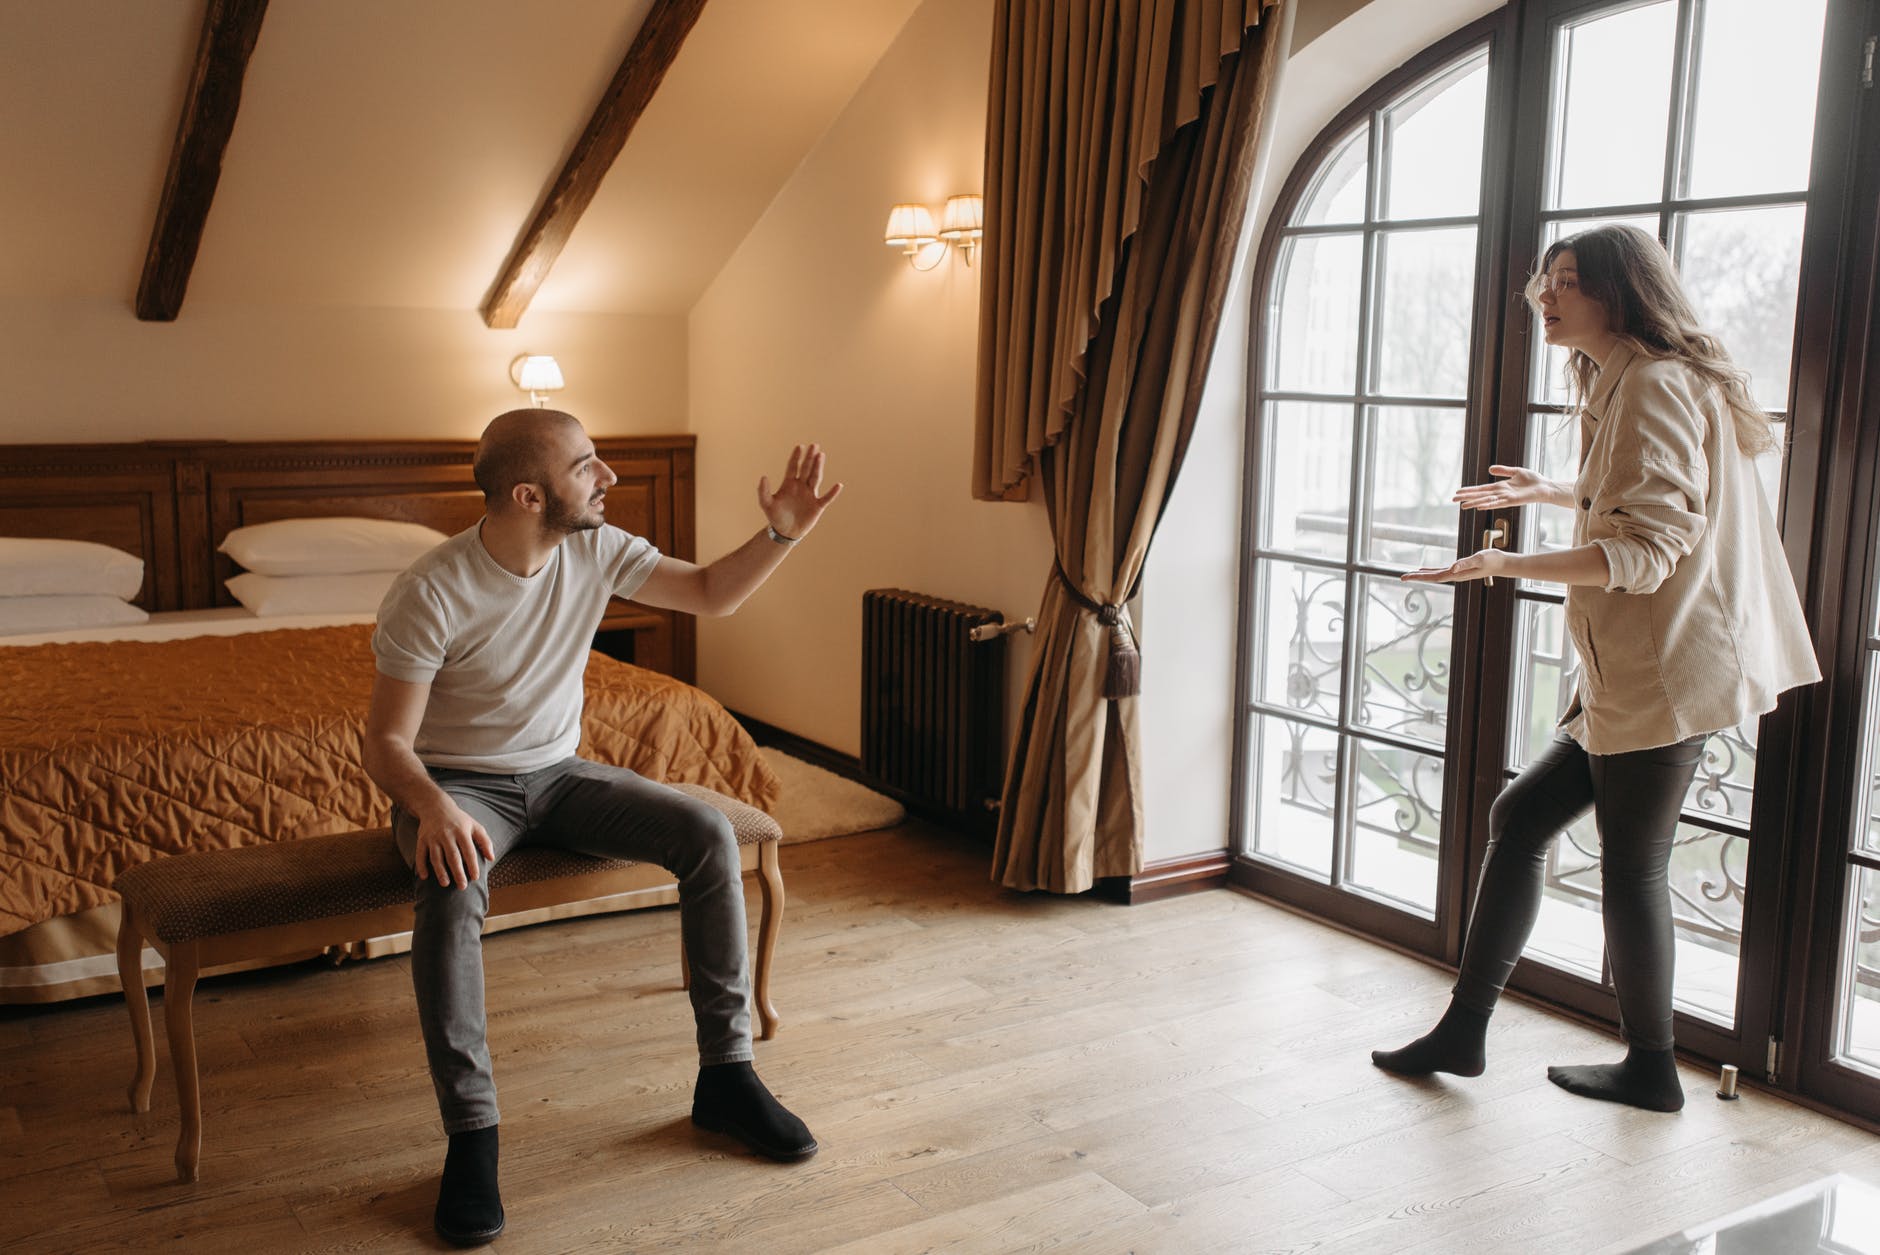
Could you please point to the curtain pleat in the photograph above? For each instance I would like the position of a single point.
(1120, 159)
(1085, 95)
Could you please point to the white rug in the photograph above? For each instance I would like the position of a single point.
(818, 803)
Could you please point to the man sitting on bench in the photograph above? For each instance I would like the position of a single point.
(475, 718)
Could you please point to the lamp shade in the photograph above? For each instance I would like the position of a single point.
(909, 227)
(536, 372)
(963, 218)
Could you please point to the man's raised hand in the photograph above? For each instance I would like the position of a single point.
(795, 506)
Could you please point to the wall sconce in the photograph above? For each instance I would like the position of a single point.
(536, 374)
(911, 229)
(963, 222)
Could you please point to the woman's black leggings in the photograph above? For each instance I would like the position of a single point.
(1635, 798)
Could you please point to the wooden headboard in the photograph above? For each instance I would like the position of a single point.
(119, 495)
(173, 502)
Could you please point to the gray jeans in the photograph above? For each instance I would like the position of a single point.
(592, 809)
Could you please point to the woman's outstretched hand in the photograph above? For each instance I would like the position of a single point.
(1515, 486)
(1484, 564)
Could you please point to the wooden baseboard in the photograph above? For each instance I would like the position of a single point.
(848, 766)
(1168, 878)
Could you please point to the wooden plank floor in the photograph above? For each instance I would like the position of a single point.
(986, 1072)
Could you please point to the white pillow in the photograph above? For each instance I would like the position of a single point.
(52, 614)
(43, 568)
(270, 595)
(339, 546)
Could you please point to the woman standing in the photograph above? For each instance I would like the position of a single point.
(1685, 621)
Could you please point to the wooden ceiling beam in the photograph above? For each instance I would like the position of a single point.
(229, 31)
(639, 76)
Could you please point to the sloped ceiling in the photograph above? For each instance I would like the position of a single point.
(389, 152)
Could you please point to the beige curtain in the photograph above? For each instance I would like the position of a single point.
(1120, 157)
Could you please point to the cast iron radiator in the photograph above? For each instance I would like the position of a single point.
(933, 704)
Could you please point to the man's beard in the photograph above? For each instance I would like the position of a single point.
(568, 514)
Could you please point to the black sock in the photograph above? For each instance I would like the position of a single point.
(1455, 1045)
(469, 1207)
(1644, 1078)
(730, 1099)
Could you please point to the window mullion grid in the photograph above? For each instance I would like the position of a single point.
(1715, 823)
(1363, 476)
(1262, 555)
(1396, 740)
(1856, 858)
(1346, 228)
(1866, 754)
(1685, 73)
(1260, 706)
(1676, 205)
(1361, 566)
(1562, 62)
(1367, 398)
(1678, 128)
(1519, 683)
(1363, 444)
(1847, 961)
(1345, 819)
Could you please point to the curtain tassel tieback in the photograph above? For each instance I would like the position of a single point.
(1124, 677)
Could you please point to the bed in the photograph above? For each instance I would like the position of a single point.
(208, 727)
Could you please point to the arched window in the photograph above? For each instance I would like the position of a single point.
(1394, 360)
(1359, 426)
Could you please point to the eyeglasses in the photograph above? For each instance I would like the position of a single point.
(1551, 284)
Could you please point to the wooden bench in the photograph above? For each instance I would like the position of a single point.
(224, 906)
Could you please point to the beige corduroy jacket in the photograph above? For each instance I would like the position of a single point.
(1699, 627)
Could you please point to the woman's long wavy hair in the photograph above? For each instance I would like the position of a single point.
(1629, 273)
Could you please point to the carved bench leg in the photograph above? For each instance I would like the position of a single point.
(130, 958)
(770, 878)
(179, 992)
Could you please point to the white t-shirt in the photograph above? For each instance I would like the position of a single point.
(504, 655)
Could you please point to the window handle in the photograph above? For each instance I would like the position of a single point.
(1495, 537)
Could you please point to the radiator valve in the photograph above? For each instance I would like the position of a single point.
(992, 631)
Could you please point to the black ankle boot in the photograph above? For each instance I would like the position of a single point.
(469, 1208)
(730, 1099)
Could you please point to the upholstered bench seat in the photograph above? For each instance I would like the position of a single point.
(222, 906)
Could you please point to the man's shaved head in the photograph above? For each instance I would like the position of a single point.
(515, 449)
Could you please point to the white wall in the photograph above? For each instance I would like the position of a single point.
(84, 369)
(814, 330)
(1191, 586)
